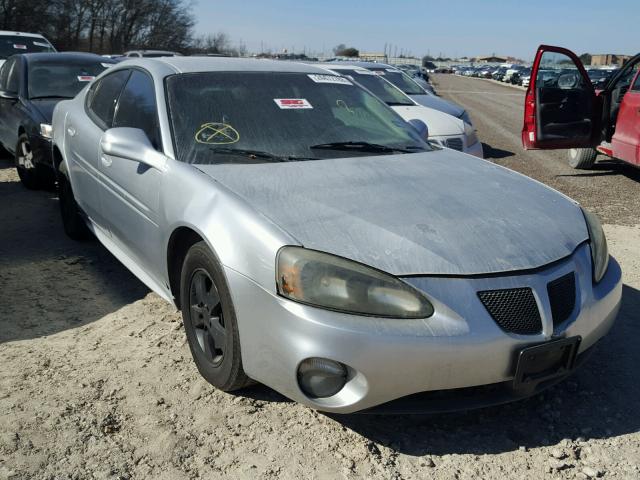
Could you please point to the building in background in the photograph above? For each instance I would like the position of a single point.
(609, 59)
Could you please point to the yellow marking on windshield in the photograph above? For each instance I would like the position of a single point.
(217, 134)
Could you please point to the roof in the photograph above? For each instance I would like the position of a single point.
(219, 64)
(64, 57)
(338, 66)
(367, 65)
(152, 51)
(21, 34)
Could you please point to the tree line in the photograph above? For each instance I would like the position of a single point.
(106, 26)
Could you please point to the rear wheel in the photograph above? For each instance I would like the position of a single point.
(210, 320)
(72, 221)
(582, 158)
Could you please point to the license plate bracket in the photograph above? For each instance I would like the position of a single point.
(545, 361)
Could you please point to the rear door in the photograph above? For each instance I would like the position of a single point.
(561, 108)
(625, 97)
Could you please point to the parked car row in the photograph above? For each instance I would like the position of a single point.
(314, 237)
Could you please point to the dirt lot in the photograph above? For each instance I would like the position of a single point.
(97, 381)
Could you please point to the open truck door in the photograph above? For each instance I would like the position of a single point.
(561, 107)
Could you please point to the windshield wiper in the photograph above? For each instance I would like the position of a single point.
(41, 97)
(361, 146)
(256, 154)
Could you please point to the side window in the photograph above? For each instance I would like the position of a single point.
(4, 74)
(137, 107)
(104, 95)
(13, 79)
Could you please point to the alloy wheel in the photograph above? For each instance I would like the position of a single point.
(206, 316)
(25, 156)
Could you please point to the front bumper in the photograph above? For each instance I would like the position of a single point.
(42, 153)
(460, 346)
(459, 143)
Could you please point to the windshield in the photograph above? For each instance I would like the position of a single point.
(63, 79)
(400, 80)
(14, 44)
(240, 117)
(379, 87)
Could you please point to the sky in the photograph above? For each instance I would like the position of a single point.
(454, 28)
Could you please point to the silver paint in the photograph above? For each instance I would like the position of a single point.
(431, 213)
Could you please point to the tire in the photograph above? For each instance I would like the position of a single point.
(210, 320)
(72, 221)
(582, 158)
(30, 175)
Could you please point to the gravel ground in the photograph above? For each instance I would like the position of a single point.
(97, 380)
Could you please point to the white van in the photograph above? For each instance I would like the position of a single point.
(12, 43)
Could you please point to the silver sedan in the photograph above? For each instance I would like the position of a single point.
(317, 244)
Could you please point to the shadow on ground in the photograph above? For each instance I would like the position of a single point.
(495, 153)
(42, 271)
(605, 168)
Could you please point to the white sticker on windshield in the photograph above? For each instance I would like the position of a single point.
(378, 72)
(107, 65)
(391, 70)
(292, 103)
(85, 78)
(19, 47)
(42, 44)
(330, 79)
(364, 72)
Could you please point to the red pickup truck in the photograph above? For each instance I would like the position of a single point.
(564, 110)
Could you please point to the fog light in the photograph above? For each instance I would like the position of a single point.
(321, 378)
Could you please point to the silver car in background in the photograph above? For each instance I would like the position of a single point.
(315, 243)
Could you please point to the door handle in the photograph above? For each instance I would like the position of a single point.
(106, 161)
(71, 131)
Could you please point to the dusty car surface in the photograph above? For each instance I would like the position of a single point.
(315, 243)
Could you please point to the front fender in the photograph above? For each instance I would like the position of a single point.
(242, 239)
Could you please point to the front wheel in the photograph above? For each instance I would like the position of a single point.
(28, 171)
(582, 158)
(210, 320)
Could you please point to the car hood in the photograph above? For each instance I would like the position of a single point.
(439, 212)
(440, 124)
(438, 103)
(45, 107)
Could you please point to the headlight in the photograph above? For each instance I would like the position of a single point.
(335, 283)
(470, 134)
(466, 118)
(46, 130)
(598, 243)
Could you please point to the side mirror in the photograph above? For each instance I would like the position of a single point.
(420, 127)
(8, 96)
(131, 144)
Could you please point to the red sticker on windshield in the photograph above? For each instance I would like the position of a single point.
(85, 78)
(19, 47)
(292, 103)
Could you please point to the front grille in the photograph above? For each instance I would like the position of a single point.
(454, 143)
(562, 297)
(514, 310)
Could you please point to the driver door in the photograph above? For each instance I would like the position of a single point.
(561, 106)
(625, 102)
